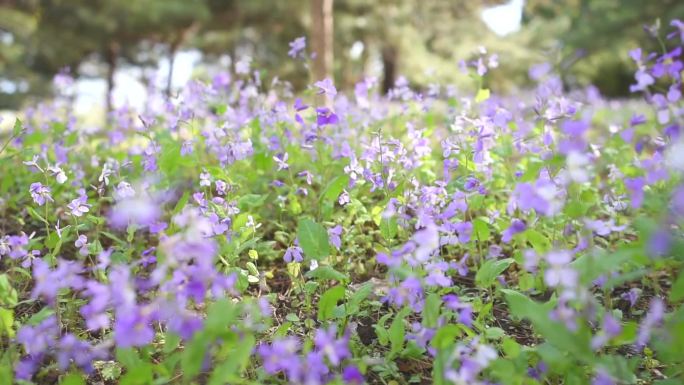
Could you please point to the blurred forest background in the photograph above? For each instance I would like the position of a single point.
(423, 40)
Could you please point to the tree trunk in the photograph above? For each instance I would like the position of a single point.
(389, 68)
(322, 38)
(111, 57)
(172, 60)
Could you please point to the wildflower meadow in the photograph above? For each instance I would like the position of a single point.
(242, 232)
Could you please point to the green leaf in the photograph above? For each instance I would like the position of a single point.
(170, 159)
(18, 127)
(235, 364)
(40, 316)
(327, 273)
(72, 379)
(333, 190)
(171, 342)
(481, 229)
(540, 243)
(249, 201)
(397, 332)
(220, 316)
(494, 333)
(677, 291)
(388, 227)
(433, 303)
(181, 203)
(6, 322)
(35, 214)
(313, 239)
(482, 95)
(328, 302)
(354, 304)
(556, 334)
(491, 269)
(128, 357)
(446, 336)
(140, 374)
(194, 354)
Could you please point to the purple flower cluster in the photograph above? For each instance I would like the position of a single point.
(317, 366)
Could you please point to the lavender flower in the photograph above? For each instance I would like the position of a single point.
(79, 206)
(326, 87)
(296, 47)
(517, 226)
(293, 253)
(334, 349)
(560, 273)
(40, 193)
(654, 317)
(334, 234)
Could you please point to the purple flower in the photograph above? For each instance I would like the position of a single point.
(221, 187)
(464, 310)
(335, 349)
(632, 296)
(543, 197)
(94, 312)
(436, 274)
(27, 366)
(82, 244)
(123, 190)
(132, 327)
(409, 292)
(352, 375)
(281, 159)
(299, 105)
(644, 79)
(40, 193)
(636, 189)
(326, 87)
(680, 29)
(139, 210)
(281, 355)
(325, 116)
(48, 282)
(79, 206)
(575, 127)
(677, 201)
(637, 119)
(293, 253)
(16, 245)
(427, 242)
(659, 242)
(517, 226)
(334, 234)
(297, 46)
(537, 371)
(205, 179)
(187, 147)
(559, 272)
(37, 339)
(103, 259)
(344, 198)
(158, 227)
(611, 329)
(654, 317)
(602, 378)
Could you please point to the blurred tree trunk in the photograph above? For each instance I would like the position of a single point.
(176, 43)
(389, 67)
(111, 58)
(173, 48)
(322, 38)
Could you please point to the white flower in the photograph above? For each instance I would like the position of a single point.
(577, 166)
(58, 173)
